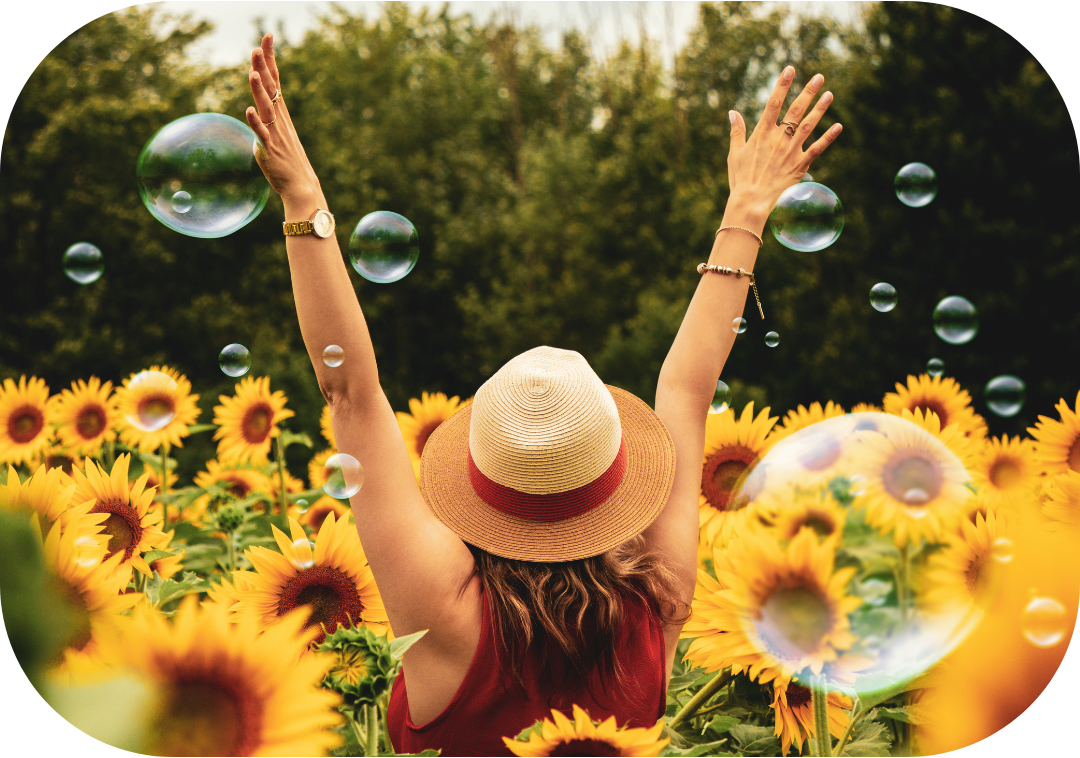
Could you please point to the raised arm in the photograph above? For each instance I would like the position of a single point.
(759, 169)
(419, 564)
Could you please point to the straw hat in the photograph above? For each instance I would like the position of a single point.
(548, 463)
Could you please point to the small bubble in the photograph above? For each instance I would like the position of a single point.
(181, 202)
(234, 359)
(916, 185)
(772, 339)
(1002, 550)
(304, 557)
(806, 177)
(344, 476)
(1005, 395)
(916, 496)
(333, 356)
(83, 263)
(156, 404)
(721, 398)
(883, 297)
(86, 550)
(935, 367)
(384, 247)
(738, 325)
(302, 505)
(955, 320)
(1044, 622)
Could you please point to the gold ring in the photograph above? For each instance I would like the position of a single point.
(789, 127)
(276, 97)
(270, 123)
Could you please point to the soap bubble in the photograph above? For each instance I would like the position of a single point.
(916, 184)
(384, 247)
(156, 405)
(83, 263)
(87, 552)
(1044, 622)
(883, 297)
(333, 356)
(721, 400)
(772, 339)
(871, 488)
(304, 557)
(181, 202)
(234, 359)
(1002, 550)
(1005, 395)
(955, 320)
(198, 176)
(302, 505)
(806, 177)
(935, 367)
(738, 325)
(807, 217)
(344, 476)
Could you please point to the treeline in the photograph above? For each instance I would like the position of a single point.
(560, 200)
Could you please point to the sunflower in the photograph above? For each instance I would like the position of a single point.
(223, 592)
(228, 688)
(93, 585)
(772, 611)
(1062, 503)
(583, 736)
(325, 506)
(732, 448)
(424, 418)
(965, 448)
(132, 527)
(964, 576)
(1006, 471)
(866, 408)
(334, 579)
(914, 485)
(1057, 443)
(815, 510)
(326, 426)
(248, 421)
(163, 398)
(26, 416)
(317, 467)
(802, 417)
(47, 496)
(795, 718)
(55, 455)
(170, 566)
(86, 414)
(943, 396)
(238, 481)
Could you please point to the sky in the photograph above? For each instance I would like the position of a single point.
(34, 28)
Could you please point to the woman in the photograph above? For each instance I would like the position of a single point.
(552, 555)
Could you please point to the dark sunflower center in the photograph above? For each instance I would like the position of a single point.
(820, 452)
(207, 717)
(794, 622)
(25, 423)
(912, 479)
(237, 487)
(1074, 455)
(256, 424)
(1004, 473)
(60, 461)
(584, 747)
(90, 422)
(722, 474)
(822, 524)
(330, 593)
(424, 433)
(938, 408)
(123, 526)
(971, 576)
(797, 695)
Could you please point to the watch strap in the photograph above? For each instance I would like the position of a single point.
(295, 228)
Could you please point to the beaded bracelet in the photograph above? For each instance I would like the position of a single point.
(704, 268)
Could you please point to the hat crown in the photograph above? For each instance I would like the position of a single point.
(544, 423)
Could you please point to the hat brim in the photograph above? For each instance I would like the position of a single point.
(635, 503)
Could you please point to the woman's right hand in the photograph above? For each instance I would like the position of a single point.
(770, 161)
(280, 155)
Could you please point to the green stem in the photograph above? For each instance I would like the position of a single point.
(232, 553)
(715, 707)
(905, 578)
(384, 711)
(110, 455)
(856, 714)
(164, 486)
(372, 745)
(700, 698)
(361, 735)
(281, 474)
(819, 701)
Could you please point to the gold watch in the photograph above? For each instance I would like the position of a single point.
(321, 224)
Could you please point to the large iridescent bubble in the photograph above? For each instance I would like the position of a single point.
(807, 217)
(198, 175)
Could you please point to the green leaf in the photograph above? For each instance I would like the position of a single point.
(295, 438)
(907, 714)
(720, 724)
(870, 700)
(705, 748)
(523, 735)
(171, 590)
(157, 555)
(197, 428)
(682, 681)
(203, 558)
(755, 740)
(869, 739)
(401, 644)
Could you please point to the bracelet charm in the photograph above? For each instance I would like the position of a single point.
(705, 268)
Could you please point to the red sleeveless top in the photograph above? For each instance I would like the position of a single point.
(485, 708)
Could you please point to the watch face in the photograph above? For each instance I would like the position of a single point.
(323, 224)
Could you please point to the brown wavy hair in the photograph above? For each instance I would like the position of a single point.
(574, 607)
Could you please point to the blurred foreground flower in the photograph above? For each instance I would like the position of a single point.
(583, 736)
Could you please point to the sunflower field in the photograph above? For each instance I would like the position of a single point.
(236, 614)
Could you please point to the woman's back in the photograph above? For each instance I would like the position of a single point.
(487, 706)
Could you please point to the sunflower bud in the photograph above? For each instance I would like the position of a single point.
(230, 517)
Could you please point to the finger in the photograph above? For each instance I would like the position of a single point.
(271, 60)
(262, 99)
(262, 132)
(258, 63)
(776, 100)
(802, 102)
(806, 128)
(823, 142)
(738, 132)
